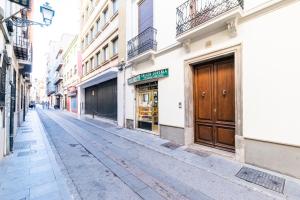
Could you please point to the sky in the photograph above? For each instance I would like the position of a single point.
(66, 20)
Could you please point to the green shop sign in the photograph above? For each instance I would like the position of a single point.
(149, 76)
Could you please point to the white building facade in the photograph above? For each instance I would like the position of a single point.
(102, 44)
(70, 76)
(217, 74)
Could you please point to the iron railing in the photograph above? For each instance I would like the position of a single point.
(192, 13)
(22, 48)
(143, 42)
(58, 77)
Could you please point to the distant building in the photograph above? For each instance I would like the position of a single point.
(54, 75)
(103, 49)
(70, 75)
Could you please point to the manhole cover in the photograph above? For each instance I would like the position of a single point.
(263, 179)
(198, 153)
(26, 153)
(171, 145)
(24, 144)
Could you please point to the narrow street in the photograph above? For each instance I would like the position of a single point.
(99, 164)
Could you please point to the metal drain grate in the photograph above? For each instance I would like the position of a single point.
(73, 145)
(171, 145)
(198, 153)
(26, 153)
(24, 144)
(27, 131)
(263, 179)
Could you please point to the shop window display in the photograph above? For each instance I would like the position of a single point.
(147, 107)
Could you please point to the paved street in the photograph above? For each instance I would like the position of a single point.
(98, 160)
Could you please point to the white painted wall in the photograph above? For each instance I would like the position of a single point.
(270, 65)
(271, 76)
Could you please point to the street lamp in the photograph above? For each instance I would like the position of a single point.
(47, 13)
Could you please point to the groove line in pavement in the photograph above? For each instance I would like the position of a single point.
(236, 181)
(83, 146)
(162, 189)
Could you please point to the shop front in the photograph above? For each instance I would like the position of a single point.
(147, 101)
(72, 99)
(147, 106)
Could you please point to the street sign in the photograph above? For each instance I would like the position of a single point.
(25, 3)
(148, 76)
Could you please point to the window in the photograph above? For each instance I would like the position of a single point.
(88, 66)
(84, 69)
(105, 16)
(115, 46)
(87, 11)
(98, 58)
(98, 25)
(89, 38)
(93, 33)
(105, 53)
(82, 44)
(115, 6)
(92, 63)
(75, 70)
(86, 40)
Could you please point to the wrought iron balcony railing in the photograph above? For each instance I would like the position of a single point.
(58, 78)
(192, 13)
(143, 42)
(22, 48)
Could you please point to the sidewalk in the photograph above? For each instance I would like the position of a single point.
(220, 166)
(31, 172)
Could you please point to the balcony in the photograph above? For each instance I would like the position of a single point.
(59, 63)
(23, 52)
(142, 46)
(197, 17)
(58, 78)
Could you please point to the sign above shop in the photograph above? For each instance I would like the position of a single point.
(72, 91)
(149, 76)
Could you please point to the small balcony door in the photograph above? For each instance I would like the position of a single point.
(145, 22)
(145, 15)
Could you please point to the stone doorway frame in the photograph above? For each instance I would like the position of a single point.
(236, 51)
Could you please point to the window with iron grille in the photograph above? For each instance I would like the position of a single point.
(2, 84)
(13, 93)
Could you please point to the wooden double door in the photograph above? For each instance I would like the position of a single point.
(214, 93)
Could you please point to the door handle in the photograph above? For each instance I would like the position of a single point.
(224, 92)
(203, 94)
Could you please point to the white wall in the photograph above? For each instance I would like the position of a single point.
(270, 67)
(271, 76)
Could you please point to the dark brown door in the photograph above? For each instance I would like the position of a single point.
(215, 104)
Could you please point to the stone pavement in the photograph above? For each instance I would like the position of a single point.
(221, 166)
(153, 171)
(69, 158)
(31, 172)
